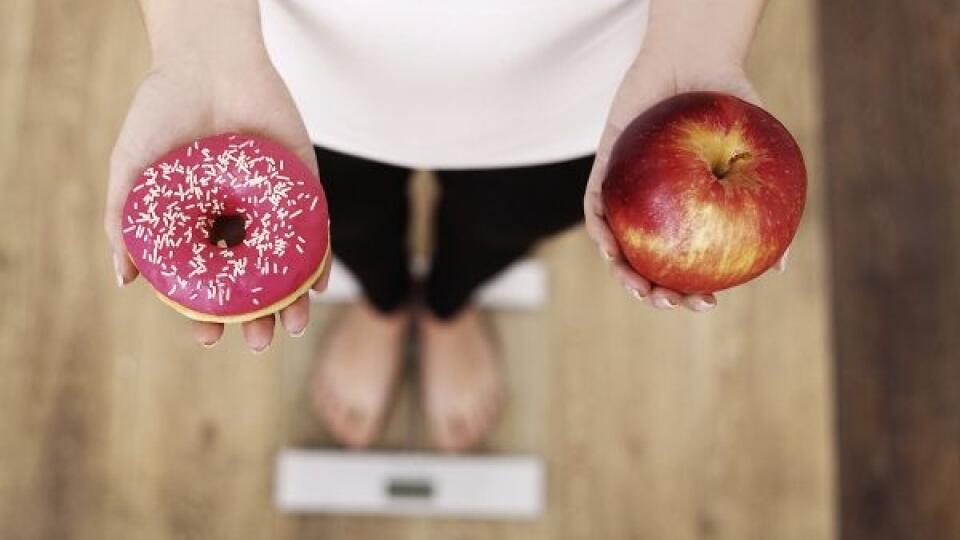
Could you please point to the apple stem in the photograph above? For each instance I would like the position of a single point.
(723, 169)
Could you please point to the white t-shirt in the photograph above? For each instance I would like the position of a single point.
(454, 83)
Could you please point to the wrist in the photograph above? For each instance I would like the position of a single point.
(682, 51)
(215, 33)
(716, 32)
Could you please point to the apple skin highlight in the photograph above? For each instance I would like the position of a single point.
(704, 192)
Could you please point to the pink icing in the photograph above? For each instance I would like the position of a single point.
(168, 215)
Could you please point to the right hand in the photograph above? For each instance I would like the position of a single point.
(652, 78)
(196, 94)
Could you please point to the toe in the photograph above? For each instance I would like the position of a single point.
(357, 427)
(336, 420)
(319, 393)
(455, 433)
(350, 424)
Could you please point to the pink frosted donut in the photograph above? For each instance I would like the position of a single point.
(228, 228)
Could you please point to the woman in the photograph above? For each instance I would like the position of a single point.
(507, 101)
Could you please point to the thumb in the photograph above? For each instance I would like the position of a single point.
(120, 173)
(298, 141)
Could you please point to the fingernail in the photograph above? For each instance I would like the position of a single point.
(261, 349)
(299, 333)
(782, 263)
(606, 255)
(666, 302)
(636, 294)
(116, 270)
(210, 345)
(705, 304)
(321, 285)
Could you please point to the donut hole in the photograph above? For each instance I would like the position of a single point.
(227, 231)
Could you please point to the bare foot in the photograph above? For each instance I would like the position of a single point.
(460, 379)
(356, 371)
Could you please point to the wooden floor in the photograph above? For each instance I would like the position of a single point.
(892, 113)
(113, 425)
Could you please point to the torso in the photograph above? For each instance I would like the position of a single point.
(452, 83)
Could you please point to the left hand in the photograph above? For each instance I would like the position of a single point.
(653, 77)
(190, 95)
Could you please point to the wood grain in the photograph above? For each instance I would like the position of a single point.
(115, 426)
(891, 90)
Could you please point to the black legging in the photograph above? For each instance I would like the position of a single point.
(485, 219)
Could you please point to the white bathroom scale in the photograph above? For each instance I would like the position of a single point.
(521, 286)
(506, 487)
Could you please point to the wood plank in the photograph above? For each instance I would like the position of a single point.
(54, 377)
(890, 86)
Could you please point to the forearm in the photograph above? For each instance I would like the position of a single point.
(208, 28)
(712, 29)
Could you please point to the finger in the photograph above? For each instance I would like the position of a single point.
(635, 284)
(296, 316)
(258, 333)
(596, 224)
(741, 87)
(123, 269)
(147, 131)
(661, 298)
(699, 302)
(594, 210)
(782, 263)
(749, 95)
(599, 232)
(601, 162)
(121, 175)
(207, 334)
(306, 152)
(324, 280)
(753, 97)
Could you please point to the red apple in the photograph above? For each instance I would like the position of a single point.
(704, 191)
